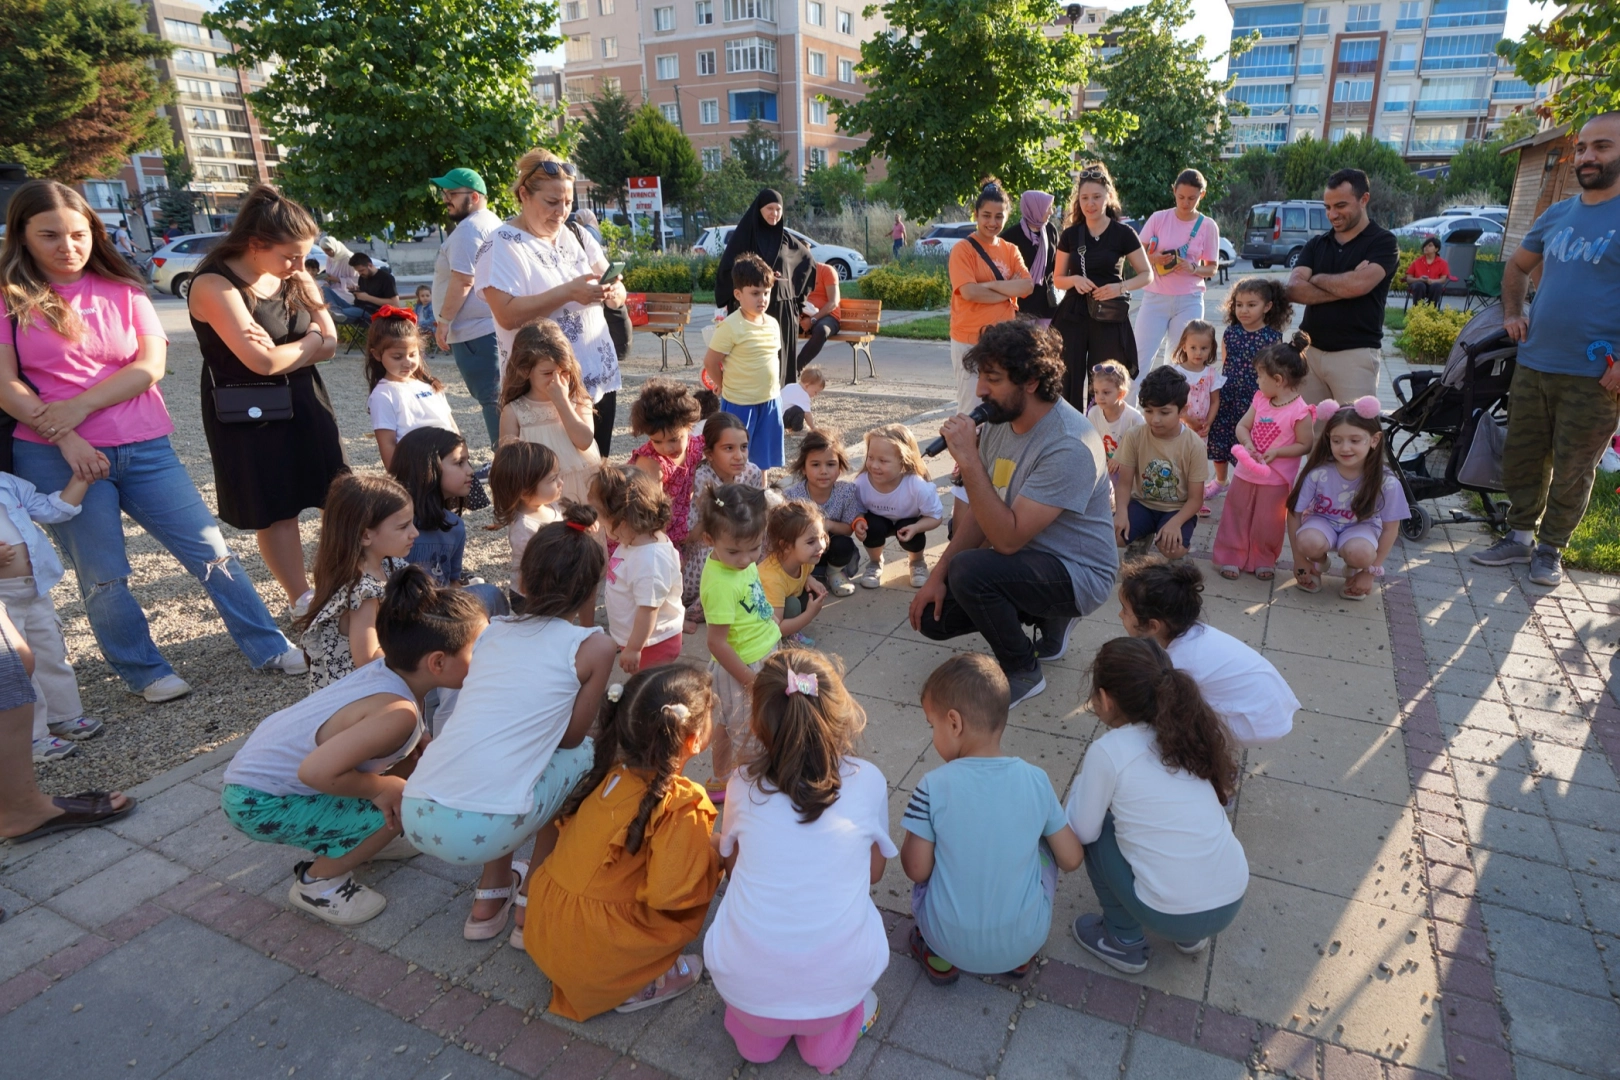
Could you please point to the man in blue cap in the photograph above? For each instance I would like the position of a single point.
(466, 327)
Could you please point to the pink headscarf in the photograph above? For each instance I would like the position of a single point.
(1036, 206)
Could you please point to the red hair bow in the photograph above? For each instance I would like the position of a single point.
(389, 311)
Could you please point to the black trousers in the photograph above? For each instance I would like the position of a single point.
(820, 330)
(839, 554)
(1430, 289)
(606, 410)
(995, 595)
(880, 528)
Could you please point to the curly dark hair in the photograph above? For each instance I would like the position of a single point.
(664, 405)
(1025, 352)
(1270, 291)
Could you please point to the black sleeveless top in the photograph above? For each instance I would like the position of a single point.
(272, 470)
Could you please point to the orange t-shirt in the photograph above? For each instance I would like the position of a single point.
(826, 278)
(968, 317)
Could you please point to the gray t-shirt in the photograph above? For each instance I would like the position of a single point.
(1060, 463)
(474, 320)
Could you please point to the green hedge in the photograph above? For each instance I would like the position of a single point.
(1429, 333)
(671, 273)
(906, 289)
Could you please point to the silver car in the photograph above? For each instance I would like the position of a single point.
(174, 264)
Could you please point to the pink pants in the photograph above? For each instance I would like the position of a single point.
(824, 1044)
(1253, 525)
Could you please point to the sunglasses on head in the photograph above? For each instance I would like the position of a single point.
(553, 169)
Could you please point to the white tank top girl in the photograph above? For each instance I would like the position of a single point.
(270, 758)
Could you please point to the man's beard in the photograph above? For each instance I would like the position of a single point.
(461, 212)
(1607, 173)
(1006, 414)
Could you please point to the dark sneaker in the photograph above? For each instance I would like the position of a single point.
(1094, 937)
(1546, 566)
(940, 971)
(1053, 641)
(1505, 552)
(1025, 685)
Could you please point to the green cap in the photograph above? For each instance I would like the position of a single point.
(461, 178)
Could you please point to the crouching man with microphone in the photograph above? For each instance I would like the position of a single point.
(1034, 542)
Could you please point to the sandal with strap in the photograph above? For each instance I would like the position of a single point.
(928, 959)
(475, 929)
(519, 900)
(681, 977)
(80, 811)
(1308, 577)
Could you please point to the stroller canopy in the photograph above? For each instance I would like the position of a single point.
(1482, 343)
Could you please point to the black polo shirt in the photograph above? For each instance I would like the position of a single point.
(379, 284)
(1357, 323)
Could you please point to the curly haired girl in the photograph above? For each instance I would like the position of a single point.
(1257, 311)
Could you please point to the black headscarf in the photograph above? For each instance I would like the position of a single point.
(781, 250)
(756, 234)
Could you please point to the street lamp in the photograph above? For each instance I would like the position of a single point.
(1073, 13)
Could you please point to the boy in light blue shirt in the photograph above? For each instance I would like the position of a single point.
(985, 834)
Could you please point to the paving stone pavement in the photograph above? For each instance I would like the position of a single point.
(1435, 854)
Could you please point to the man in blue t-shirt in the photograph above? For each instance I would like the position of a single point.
(1565, 396)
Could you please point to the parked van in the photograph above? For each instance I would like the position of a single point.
(1277, 231)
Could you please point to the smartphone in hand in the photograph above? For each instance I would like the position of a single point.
(614, 272)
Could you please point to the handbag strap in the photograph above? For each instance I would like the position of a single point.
(286, 380)
(988, 261)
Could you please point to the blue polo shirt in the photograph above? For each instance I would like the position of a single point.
(1580, 280)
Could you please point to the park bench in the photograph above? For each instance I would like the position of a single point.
(857, 325)
(667, 316)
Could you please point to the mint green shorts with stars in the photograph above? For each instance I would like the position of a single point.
(473, 837)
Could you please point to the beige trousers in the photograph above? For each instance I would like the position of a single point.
(56, 688)
(1343, 376)
(967, 383)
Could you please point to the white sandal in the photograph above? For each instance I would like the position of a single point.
(483, 929)
(519, 900)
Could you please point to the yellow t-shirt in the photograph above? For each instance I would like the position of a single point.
(751, 350)
(1163, 473)
(779, 584)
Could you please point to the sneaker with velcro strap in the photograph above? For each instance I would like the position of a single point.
(341, 901)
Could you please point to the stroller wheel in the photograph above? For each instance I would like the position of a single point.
(1418, 525)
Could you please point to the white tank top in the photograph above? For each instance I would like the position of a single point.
(511, 714)
(270, 758)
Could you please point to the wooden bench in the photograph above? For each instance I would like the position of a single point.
(858, 324)
(667, 316)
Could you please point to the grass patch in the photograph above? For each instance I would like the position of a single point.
(1596, 543)
(927, 328)
(1394, 319)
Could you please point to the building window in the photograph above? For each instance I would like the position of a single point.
(1352, 90)
(817, 157)
(1410, 16)
(846, 21)
(1513, 90)
(668, 67)
(751, 54)
(663, 19)
(1459, 51)
(1307, 100)
(818, 63)
(705, 61)
(610, 48)
(672, 112)
(711, 158)
(1446, 137)
(1454, 13)
(1310, 61)
(818, 111)
(1398, 99)
(1455, 94)
(577, 89)
(1267, 62)
(104, 194)
(846, 70)
(1263, 99)
(815, 13)
(709, 111)
(703, 12)
(611, 84)
(193, 60)
(545, 92)
(573, 9)
(604, 7)
(1272, 20)
(1403, 56)
(1358, 56)
(578, 47)
(1362, 17)
(1316, 21)
(178, 30)
(746, 105)
(1269, 136)
(764, 10)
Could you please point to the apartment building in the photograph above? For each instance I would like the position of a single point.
(1419, 75)
(712, 65)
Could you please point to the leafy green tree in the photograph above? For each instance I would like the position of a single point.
(724, 193)
(601, 155)
(761, 157)
(370, 102)
(655, 147)
(1482, 167)
(831, 188)
(965, 88)
(1307, 163)
(174, 202)
(1164, 80)
(79, 93)
(1580, 47)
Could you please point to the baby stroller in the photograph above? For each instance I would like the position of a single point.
(1446, 436)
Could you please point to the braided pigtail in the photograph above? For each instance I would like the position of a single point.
(606, 756)
(662, 743)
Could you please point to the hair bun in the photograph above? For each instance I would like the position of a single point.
(408, 591)
(577, 513)
(1300, 341)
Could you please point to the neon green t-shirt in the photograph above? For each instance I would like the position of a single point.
(736, 599)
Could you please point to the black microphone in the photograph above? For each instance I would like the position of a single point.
(979, 415)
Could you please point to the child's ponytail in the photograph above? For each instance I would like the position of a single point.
(416, 617)
(806, 723)
(1171, 592)
(1146, 687)
(1286, 359)
(563, 564)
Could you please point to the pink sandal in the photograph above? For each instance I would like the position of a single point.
(475, 929)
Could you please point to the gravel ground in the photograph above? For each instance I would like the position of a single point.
(229, 699)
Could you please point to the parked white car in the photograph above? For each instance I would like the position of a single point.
(1475, 211)
(939, 239)
(173, 265)
(846, 262)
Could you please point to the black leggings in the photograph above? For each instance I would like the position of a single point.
(820, 330)
(880, 528)
(606, 410)
(1431, 289)
(839, 554)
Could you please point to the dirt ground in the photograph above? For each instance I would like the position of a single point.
(229, 699)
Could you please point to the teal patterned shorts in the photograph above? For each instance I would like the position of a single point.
(470, 837)
(328, 825)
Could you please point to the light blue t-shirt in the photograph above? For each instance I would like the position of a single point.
(1580, 279)
(985, 818)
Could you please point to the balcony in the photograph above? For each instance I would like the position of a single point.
(1355, 67)
(1403, 65)
(1397, 106)
(1408, 24)
(1453, 105)
(1480, 18)
(1274, 71)
(1366, 26)
(1316, 29)
(1420, 145)
(241, 129)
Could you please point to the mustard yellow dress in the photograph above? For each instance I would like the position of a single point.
(603, 923)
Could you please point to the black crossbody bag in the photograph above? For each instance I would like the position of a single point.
(1115, 310)
(8, 423)
(252, 402)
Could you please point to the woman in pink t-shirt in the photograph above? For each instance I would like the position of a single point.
(1184, 247)
(77, 326)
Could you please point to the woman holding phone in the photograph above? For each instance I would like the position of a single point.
(534, 266)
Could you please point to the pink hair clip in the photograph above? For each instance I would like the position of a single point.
(1366, 407)
(801, 684)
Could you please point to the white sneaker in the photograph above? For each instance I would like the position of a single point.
(300, 607)
(291, 662)
(50, 749)
(165, 689)
(341, 901)
(919, 574)
(838, 584)
(83, 727)
(872, 576)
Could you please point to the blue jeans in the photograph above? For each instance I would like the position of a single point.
(765, 432)
(1146, 521)
(341, 310)
(480, 368)
(149, 484)
(1123, 911)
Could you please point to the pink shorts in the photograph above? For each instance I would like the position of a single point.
(662, 652)
(824, 1044)
(1337, 536)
